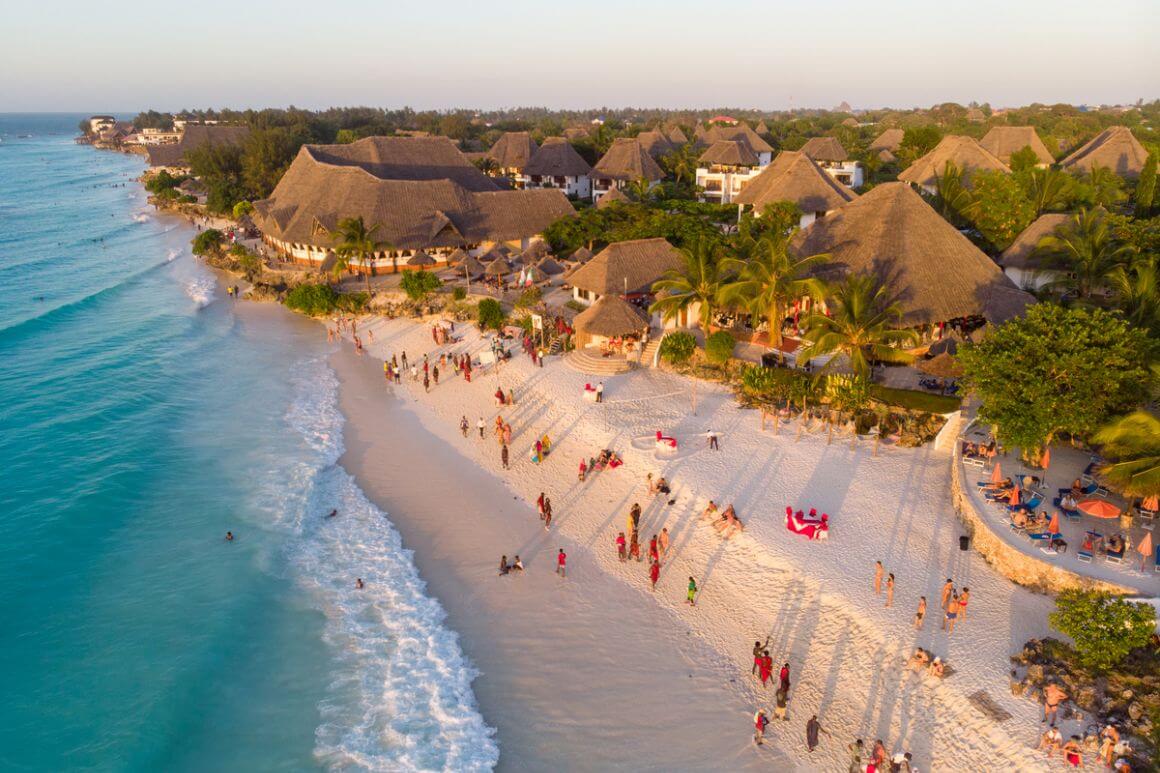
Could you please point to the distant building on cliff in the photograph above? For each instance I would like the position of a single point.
(421, 195)
(173, 155)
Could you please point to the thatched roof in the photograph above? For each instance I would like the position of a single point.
(975, 115)
(393, 183)
(611, 196)
(729, 153)
(537, 250)
(890, 140)
(630, 266)
(627, 160)
(851, 122)
(550, 267)
(557, 158)
(1021, 252)
(498, 268)
(457, 257)
(472, 267)
(761, 128)
(655, 143)
(195, 136)
(513, 150)
(738, 133)
(824, 149)
(936, 272)
(610, 316)
(1115, 148)
(1002, 141)
(676, 136)
(794, 176)
(941, 366)
(964, 152)
(421, 258)
(581, 255)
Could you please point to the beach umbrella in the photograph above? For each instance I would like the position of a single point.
(498, 267)
(1145, 549)
(997, 473)
(1053, 527)
(472, 267)
(421, 259)
(550, 267)
(1014, 499)
(1045, 460)
(1151, 503)
(457, 257)
(1099, 508)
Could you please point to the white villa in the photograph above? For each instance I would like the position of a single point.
(557, 165)
(625, 162)
(724, 169)
(833, 158)
(795, 177)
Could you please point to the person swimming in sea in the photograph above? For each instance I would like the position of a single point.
(229, 536)
(332, 513)
(358, 583)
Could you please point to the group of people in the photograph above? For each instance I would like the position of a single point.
(1109, 748)
(606, 459)
(725, 522)
(877, 759)
(515, 566)
(921, 661)
(544, 506)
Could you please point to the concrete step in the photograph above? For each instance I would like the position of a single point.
(596, 365)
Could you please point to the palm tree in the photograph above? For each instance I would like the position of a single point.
(1104, 187)
(1134, 442)
(698, 281)
(640, 189)
(1086, 249)
(1047, 189)
(952, 199)
(356, 241)
(862, 324)
(681, 163)
(1137, 291)
(769, 281)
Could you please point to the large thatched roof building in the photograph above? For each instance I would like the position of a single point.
(825, 149)
(1002, 141)
(195, 135)
(794, 176)
(655, 143)
(964, 152)
(936, 272)
(887, 144)
(417, 193)
(1020, 261)
(512, 151)
(609, 317)
(738, 133)
(1115, 148)
(624, 268)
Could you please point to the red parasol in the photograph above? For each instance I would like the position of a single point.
(997, 474)
(1099, 508)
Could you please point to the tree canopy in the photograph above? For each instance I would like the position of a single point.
(1105, 628)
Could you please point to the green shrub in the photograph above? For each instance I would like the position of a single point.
(242, 208)
(314, 299)
(208, 242)
(459, 293)
(1105, 628)
(163, 181)
(187, 199)
(719, 347)
(915, 401)
(529, 298)
(575, 305)
(490, 314)
(677, 348)
(419, 284)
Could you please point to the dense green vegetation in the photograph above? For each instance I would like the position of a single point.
(677, 348)
(419, 284)
(489, 314)
(1105, 628)
(318, 300)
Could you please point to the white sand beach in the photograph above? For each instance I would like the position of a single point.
(597, 669)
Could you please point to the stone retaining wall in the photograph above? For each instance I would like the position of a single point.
(1009, 561)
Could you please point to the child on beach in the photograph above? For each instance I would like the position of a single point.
(654, 573)
(921, 613)
(561, 563)
(634, 546)
(690, 596)
(890, 590)
(621, 547)
(583, 470)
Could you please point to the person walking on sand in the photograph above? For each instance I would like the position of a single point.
(920, 614)
(503, 455)
(463, 426)
(634, 514)
(691, 594)
(758, 652)
(547, 514)
(783, 676)
(634, 545)
(713, 441)
(435, 374)
(813, 727)
(890, 589)
(948, 589)
(561, 563)
(654, 556)
(857, 751)
(1053, 695)
(540, 505)
(663, 543)
(760, 720)
(583, 470)
(765, 668)
(478, 424)
(781, 703)
(654, 574)
(621, 547)
(878, 570)
(964, 597)
(952, 614)
(426, 383)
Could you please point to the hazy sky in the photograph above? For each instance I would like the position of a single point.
(99, 56)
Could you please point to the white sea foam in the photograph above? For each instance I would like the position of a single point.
(400, 692)
(200, 290)
(172, 254)
(140, 217)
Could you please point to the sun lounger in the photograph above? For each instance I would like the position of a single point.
(1083, 556)
(1048, 550)
(974, 461)
(1114, 558)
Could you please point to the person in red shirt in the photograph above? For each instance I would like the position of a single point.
(620, 547)
(654, 557)
(766, 670)
(654, 573)
(561, 562)
(784, 677)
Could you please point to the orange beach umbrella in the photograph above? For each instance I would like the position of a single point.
(997, 474)
(1045, 460)
(1151, 503)
(1145, 549)
(1053, 527)
(1014, 500)
(1099, 508)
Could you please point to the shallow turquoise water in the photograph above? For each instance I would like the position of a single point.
(142, 415)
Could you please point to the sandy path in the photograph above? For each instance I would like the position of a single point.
(814, 600)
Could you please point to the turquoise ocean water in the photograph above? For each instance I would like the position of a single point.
(142, 415)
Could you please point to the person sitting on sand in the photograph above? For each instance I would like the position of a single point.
(919, 659)
(1073, 752)
(732, 527)
(517, 565)
(937, 668)
(710, 511)
(504, 568)
(662, 486)
(1051, 741)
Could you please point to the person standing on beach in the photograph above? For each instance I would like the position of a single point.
(691, 595)
(561, 563)
(713, 441)
(621, 547)
(634, 513)
(583, 470)
(813, 727)
(404, 359)
(435, 374)
(426, 383)
(479, 423)
(547, 514)
(1053, 695)
(857, 750)
(600, 391)
(951, 615)
(878, 570)
(781, 703)
(783, 677)
(890, 590)
(948, 589)
(759, 723)
(654, 574)
(664, 542)
(758, 650)
(653, 553)
(463, 426)
(503, 455)
(765, 667)
(540, 505)
(964, 597)
(920, 614)
(634, 545)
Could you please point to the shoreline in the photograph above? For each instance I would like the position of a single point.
(847, 653)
